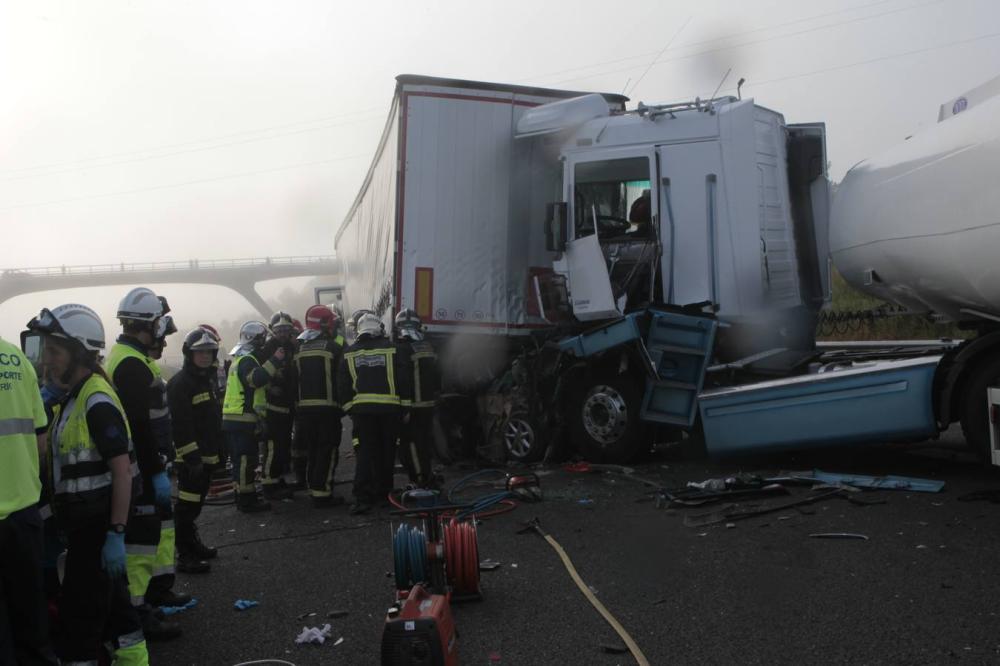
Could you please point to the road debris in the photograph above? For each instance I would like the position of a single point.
(244, 604)
(488, 565)
(838, 535)
(315, 635)
(887, 482)
(172, 610)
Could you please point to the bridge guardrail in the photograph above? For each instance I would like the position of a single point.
(191, 264)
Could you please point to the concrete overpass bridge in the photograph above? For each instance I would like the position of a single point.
(240, 275)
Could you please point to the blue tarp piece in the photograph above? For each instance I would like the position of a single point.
(171, 610)
(888, 482)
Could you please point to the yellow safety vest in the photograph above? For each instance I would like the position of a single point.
(21, 413)
(79, 472)
(234, 404)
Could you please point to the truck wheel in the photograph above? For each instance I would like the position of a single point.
(605, 422)
(521, 438)
(973, 412)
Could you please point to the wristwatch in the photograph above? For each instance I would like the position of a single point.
(117, 528)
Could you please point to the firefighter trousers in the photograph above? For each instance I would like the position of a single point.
(192, 487)
(416, 445)
(320, 431)
(24, 631)
(375, 455)
(279, 446)
(142, 541)
(95, 608)
(244, 453)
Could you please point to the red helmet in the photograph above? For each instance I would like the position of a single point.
(321, 318)
(211, 331)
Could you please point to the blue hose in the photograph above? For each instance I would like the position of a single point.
(481, 503)
(409, 554)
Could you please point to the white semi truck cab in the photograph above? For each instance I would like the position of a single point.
(718, 201)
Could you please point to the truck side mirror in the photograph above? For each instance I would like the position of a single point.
(555, 226)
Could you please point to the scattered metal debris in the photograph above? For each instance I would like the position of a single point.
(488, 565)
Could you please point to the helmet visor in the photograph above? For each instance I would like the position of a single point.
(33, 346)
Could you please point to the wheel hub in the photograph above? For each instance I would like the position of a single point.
(519, 437)
(605, 414)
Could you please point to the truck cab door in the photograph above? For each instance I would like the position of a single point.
(613, 209)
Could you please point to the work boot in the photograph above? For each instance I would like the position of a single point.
(190, 563)
(170, 598)
(327, 502)
(277, 492)
(159, 630)
(199, 549)
(253, 504)
(359, 508)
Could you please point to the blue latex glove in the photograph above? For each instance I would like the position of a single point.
(161, 486)
(113, 554)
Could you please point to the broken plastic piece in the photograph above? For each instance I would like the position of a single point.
(614, 649)
(488, 565)
(313, 635)
(888, 482)
(243, 604)
(838, 535)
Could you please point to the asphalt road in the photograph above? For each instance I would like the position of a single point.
(921, 590)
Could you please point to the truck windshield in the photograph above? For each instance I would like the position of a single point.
(616, 193)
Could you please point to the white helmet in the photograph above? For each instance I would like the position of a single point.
(253, 334)
(369, 324)
(140, 304)
(71, 322)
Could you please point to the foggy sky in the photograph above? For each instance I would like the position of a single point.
(146, 131)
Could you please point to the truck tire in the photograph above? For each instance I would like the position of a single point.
(523, 438)
(605, 422)
(973, 412)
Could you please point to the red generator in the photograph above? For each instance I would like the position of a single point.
(420, 632)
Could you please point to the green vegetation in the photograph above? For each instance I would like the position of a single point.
(889, 327)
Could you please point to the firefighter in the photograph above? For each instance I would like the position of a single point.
(351, 330)
(416, 438)
(243, 409)
(24, 636)
(149, 543)
(318, 412)
(352, 323)
(95, 478)
(194, 408)
(280, 394)
(375, 386)
(160, 418)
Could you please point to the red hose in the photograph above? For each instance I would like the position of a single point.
(462, 556)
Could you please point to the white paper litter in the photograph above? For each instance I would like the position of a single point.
(313, 635)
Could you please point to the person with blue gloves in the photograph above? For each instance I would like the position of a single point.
(137, 379)
(95, 478)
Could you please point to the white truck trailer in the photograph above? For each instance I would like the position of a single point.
(605, 271)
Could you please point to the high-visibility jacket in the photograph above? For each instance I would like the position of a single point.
(143, 404)
(375, 377)
(245, 400)
(81, 478)
(316, 363)
(426, 375)
(21, 414)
